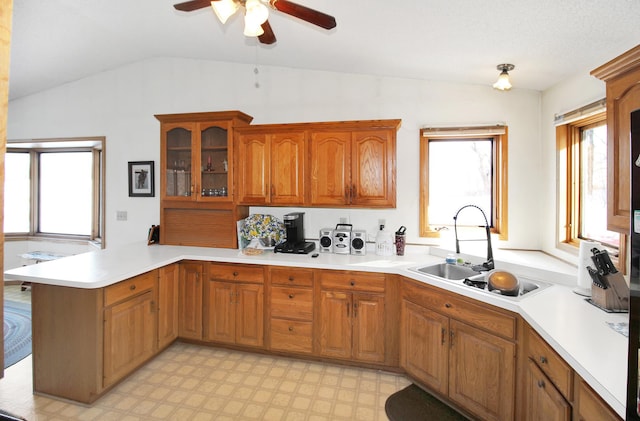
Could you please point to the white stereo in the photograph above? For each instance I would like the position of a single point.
(359, 242)
(326, 240)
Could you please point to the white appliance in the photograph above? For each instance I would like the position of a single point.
(359, 243)
(326, 240)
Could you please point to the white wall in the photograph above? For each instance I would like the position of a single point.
(569, 95)
(120, 105)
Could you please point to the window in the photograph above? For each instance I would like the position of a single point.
(582, 149)
(462, 166)
(54, 188)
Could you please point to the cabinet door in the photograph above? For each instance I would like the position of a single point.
(130, 336)
(253, 169)
(330, 168)
(590, 407)
(373, 178)
(543, 401)
(168, 294)
(213, 162)
(368, 327)
(288, 155)
(249, 329)
(335, 324)
(221, 312)
(425, 346)
(481, 372)
(178, 142)
(190, 301)
(623, 97)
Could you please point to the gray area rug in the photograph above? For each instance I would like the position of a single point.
(17, 332)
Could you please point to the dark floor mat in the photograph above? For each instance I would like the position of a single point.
(413, 403)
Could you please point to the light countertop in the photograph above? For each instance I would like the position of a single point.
(576, 330)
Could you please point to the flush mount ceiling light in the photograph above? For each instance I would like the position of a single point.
(503, 83)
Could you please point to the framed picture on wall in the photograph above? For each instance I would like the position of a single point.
(141, 179)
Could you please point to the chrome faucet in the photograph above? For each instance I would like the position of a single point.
(488, 265)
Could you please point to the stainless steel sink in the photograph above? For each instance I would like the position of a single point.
(465, 276)
(448, 271)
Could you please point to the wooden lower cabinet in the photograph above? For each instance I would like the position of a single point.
(168, 294)
(544, 401)
(447, 345)
(130, 336)
(190, 287)
(290, 310)
(234, 302)
(589, 406)
(86, 340)
(352, 319)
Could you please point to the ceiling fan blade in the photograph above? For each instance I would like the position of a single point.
(268, 37)
(189, 6)
(301, 12)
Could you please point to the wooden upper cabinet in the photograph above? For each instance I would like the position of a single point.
(355, 167)
(271, 167)
(288, 156)
(330, 168)
(373, 168)
(197, 154)
(622, 76)
(330, 164)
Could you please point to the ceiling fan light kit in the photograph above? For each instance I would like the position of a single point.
(503, 83)
(256, 14)
(224, 9)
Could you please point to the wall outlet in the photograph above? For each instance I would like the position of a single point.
(382, 222)
(121, 215)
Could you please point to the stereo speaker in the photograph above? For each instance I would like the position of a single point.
(359, 243)
(326, 240)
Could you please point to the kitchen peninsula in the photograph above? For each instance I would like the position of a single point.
(110, 288)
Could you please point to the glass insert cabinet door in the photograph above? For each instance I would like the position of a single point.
(197, 162)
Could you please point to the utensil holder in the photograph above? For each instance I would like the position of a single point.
(615, 297)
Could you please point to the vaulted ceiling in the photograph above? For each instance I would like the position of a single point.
(461, 41)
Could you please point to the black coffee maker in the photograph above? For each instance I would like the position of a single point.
(294, 225)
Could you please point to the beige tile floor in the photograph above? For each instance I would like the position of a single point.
(191, 382)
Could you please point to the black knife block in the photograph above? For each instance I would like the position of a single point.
(613, 297)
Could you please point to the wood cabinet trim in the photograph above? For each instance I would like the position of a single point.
(627, 61)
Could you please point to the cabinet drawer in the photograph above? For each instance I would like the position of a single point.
(482, 316)
(129, 288)
(293, 303)
(244, 273)
(553, 366)
(291, 336)
(292, 276)
(352, 281)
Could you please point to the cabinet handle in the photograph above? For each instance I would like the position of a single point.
(348, 309)
(231, 297)
(290, 328)
(355, 310)
(451, 336)
(352, 283)
(543, 359)
(132, 287)
(541, 384)
(273, 190)
(235, 273)
(291, 296)
(353, 191)
(291, 278)
(448, 305)
(443, 336)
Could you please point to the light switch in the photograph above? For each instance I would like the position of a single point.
(121, 215)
